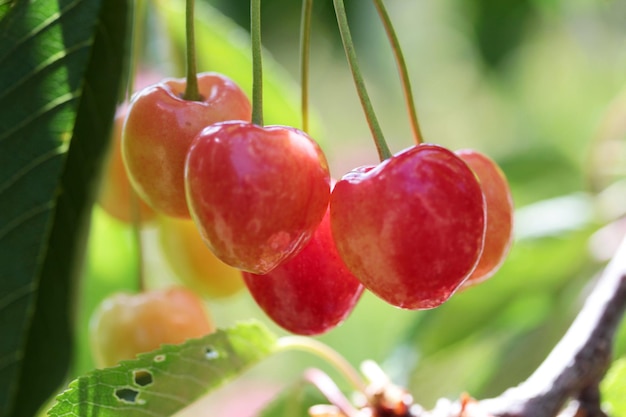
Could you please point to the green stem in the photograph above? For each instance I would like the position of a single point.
(192, 91)
(138, 8)
(348, 45)
(305, 43)
(134, 49)
(257, 65)
(325, 352)
(136, 230)
(402, 69)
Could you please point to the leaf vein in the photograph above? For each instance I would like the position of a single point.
(184, 377)
(64, 99)
(53, 59)
(13, 296)
(34, 163)
(38, 29)
(24, 217)
(11, 358)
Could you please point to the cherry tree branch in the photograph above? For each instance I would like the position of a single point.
(566, 384)
(577, 364)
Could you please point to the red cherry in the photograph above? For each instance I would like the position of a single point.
(500, 211)
(160, 128)
(411, 228)
(256, 193)
(311, 293)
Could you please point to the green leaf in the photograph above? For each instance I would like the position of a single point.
(60, 78)
(613, 388)
(5, 5)
(163, 382)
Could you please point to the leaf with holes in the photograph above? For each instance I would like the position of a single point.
(163, 382)
(60, 77)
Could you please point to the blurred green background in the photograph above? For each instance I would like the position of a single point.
(539, 85)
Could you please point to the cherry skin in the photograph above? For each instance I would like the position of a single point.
(160, 127)
(311, 293)
(411, 228)
(116, 195)
(256, 193)
(500, 210)
(125, 325)
(193, 263)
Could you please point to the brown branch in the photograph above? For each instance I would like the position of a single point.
(570, 375)
(577, 364)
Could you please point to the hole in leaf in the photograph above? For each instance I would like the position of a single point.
(127, 395)
(142, 377)
(159, 358)
(211, 353)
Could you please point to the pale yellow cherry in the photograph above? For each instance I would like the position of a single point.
(192, 261)
(125, 325)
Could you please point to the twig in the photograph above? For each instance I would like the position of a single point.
(569, 376)
(579, 361)
(330, 390)
(571, 373)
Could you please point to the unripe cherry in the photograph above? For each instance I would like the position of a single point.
(500, 211)
(116, 195)
(193, 263)
(160, 128)
(125, 325)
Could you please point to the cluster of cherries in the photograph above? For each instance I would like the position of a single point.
(413, 230)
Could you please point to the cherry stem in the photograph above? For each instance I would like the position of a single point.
(305, 43)
(139, 16)
(329, 389)
(136, 43)
(257, 64)
(402, 69)
(348, 46)
(136, 230)
(191, 91)
(374, 373)
(325, 352)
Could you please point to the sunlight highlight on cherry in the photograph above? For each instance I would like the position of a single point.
(311, 293)
(411, 228)
(160, 128)
(256, 194)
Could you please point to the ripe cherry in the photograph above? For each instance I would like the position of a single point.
(116, 195)
(411, 228)
(193, 263)
(256, 193)
(125, 325)
(160, 127)
(312, 292)
(500, 209)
